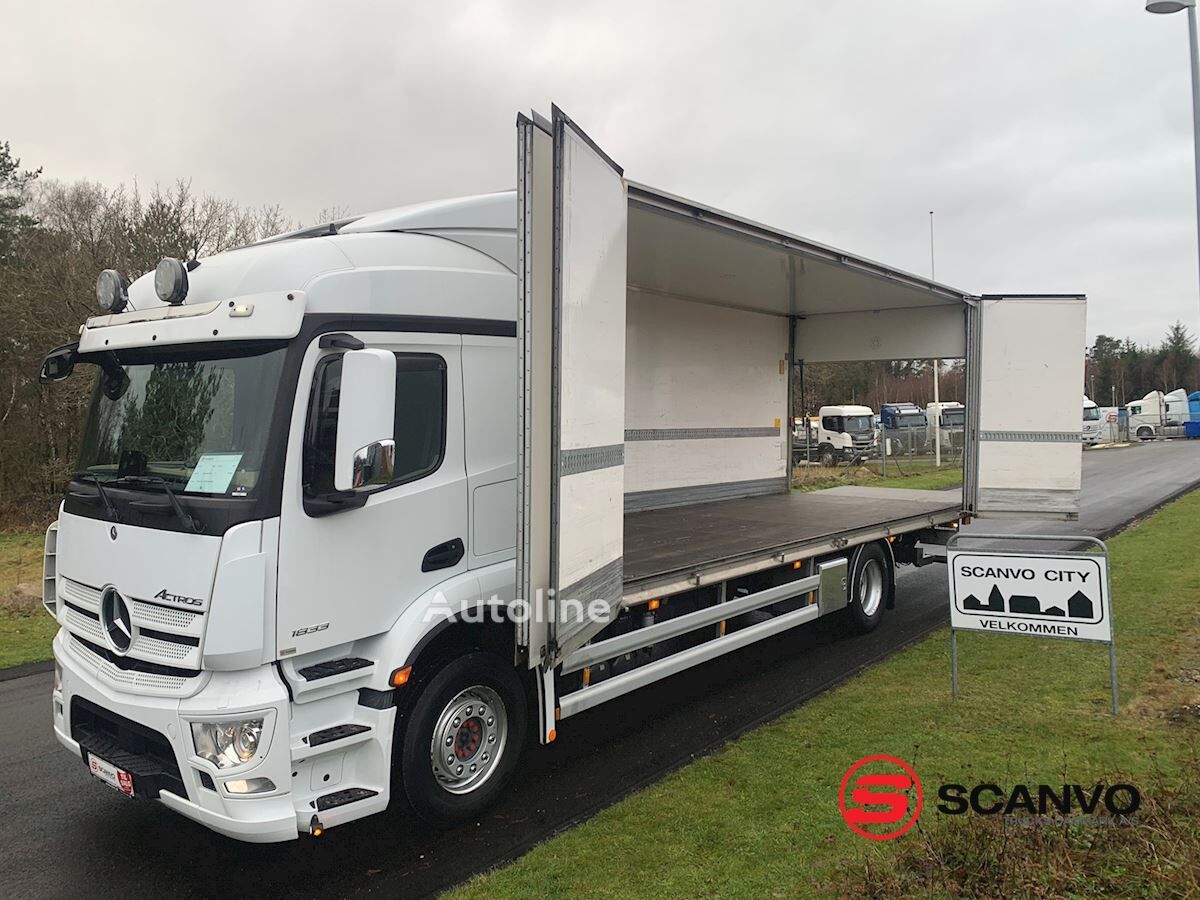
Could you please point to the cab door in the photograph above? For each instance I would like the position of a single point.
(1025, 372)
(348, 573)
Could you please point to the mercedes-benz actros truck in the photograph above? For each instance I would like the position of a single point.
(363, 509)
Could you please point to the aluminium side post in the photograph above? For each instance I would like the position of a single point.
(953, 663)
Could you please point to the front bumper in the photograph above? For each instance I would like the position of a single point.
(154, 734)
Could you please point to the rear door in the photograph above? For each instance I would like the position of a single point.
(582, 361)
(1025, 374)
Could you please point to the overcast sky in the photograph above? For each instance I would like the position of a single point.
(1052, 137)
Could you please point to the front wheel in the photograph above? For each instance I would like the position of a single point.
(870, 582)
(462, 739)
(1145, 433)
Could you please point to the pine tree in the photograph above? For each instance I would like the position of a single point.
(14, 196)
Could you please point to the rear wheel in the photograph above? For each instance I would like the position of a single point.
(462, 739)
(870, 582)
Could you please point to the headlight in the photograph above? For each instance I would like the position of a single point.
(57, 677)
(227, 744)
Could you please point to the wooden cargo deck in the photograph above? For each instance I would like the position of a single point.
(665, 547)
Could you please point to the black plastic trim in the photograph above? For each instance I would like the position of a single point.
(342, 797)
(373, 699)
(186, 640)
(444, 556)
(336, 733)
(340, 341)
(144, 753)
(83, 612)
(332, 667)
(135, 665)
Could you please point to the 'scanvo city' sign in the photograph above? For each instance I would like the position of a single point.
(1037, 594)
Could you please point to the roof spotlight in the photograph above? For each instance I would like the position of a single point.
(171, 281)
(112, 291)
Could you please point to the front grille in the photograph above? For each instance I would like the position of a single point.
(143, 752)
(132, 674)
(87, 597)
(166, 635)
(154, 614)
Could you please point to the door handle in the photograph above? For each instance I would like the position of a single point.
(443, 556)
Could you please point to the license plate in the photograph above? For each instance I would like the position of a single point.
(115, 778)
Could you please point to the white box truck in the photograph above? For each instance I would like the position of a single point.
(361, 507)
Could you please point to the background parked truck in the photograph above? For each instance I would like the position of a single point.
(905, 428)
(837, 434)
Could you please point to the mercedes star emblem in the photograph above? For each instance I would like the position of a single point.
(116, 621)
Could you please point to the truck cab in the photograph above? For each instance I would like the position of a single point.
(1091, 422)
(1159, 414)
(346, 395)
(950, 418)
(844, 433)
(905, 427)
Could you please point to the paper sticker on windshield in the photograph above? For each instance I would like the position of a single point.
(213, 473)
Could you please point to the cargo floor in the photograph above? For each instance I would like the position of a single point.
(685, 539)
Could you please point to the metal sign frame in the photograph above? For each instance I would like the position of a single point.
(1074, 541)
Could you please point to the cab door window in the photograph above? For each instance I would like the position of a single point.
(420, 422)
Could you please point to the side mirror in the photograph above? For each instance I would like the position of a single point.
(374, 464)
(366, 423)
(59, 364)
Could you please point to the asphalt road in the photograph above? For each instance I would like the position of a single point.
(64, 834)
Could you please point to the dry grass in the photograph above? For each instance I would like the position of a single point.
(991, 856)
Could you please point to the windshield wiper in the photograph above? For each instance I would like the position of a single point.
(188, 521)
(100, 492)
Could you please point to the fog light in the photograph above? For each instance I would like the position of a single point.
(250, 786)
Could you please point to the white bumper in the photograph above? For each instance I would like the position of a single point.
(257, 818)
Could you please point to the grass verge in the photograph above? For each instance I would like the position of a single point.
(926, 478)
(761, 817)
(25, 628)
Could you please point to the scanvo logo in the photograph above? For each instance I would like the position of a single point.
(881, 797)
(883, 792)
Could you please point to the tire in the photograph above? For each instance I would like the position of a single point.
(1145, 433)
(870, 584)
(827, 458)
(478, 688)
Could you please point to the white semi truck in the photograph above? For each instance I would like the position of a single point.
(362, 507)
(838, 434)
(1159, 415)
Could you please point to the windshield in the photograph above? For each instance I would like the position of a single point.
(911, 420)
(196, 418)
(858, 423)
(1091, 413)
(954, 416)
